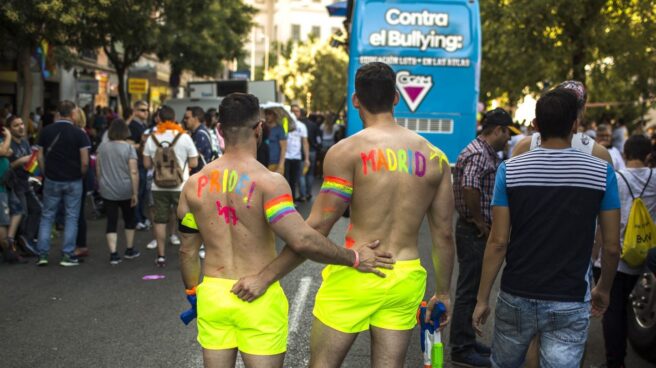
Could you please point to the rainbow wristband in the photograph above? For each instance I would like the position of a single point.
(356, 263)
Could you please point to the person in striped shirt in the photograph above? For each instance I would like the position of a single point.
(236, 207)
(545, 207)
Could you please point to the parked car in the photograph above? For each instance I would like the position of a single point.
(642, 317)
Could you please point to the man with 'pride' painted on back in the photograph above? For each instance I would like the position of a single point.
(235, 206)
(392, 178)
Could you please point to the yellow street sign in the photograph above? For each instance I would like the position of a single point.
(137, 86)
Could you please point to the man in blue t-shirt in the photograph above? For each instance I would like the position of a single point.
(277, 142)
(545, 206)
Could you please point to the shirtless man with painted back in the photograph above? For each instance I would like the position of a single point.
(235, 205)
(392, 178)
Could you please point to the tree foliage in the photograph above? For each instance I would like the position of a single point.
(200, 34)
(25, 24)
(126, 30)
(530, 46)
(193, 35)
(313, 69)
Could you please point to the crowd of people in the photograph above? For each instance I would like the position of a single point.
(96, 155)
(552, 202)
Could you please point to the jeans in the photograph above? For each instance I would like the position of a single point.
(293, 172)
(561, 326)
(470, 250)
(307, 180)
(142, 196)
(54, 192)
(614, 323)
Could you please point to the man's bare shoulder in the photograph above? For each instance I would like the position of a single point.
(601, 152)
(522, 146)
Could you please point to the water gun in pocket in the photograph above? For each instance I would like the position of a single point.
(431, 338)
(190, 314)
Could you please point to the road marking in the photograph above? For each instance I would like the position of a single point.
(299, 302)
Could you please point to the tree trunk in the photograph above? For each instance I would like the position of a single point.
(578, 64)
(122, 92)
(26, 79)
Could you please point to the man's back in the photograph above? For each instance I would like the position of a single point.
(61, 143)
(554, 198)
(226, 199)
(396, 174)
(184, 149)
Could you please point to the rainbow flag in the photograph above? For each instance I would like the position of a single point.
(32, 166)
(279, 207)
(337, 186)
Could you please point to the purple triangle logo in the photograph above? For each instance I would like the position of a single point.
(413, 87)
(413, 92)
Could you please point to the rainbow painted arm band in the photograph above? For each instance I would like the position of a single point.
(337, 186)
(279, 207)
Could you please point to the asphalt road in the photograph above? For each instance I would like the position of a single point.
(99, 315)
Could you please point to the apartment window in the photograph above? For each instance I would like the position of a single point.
(316, 32)
(296, 32)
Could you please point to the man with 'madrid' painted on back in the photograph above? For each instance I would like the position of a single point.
(392, 178)
(236, 207)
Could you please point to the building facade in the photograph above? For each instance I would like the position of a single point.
(280, 21)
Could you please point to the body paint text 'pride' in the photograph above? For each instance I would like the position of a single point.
(228, 181)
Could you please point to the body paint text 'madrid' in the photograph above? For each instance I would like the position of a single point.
(403, 161)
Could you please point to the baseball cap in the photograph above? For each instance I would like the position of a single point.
(500, 117)
(577, 88)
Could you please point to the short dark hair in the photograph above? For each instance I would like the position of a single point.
(238, 110)
(166, 113)
(197, 112)
(10, 120)
(637, 147)
(65, 108)
(375, 87)
(604, 126)
(556, 113)
(118, 130)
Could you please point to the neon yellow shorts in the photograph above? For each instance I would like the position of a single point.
(350, 301)
(227, 322)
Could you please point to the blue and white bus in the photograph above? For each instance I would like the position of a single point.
(435, 49)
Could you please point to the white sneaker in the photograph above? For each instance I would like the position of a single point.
(148, 224)
(174, 239)
(201, 252)
(152, 244)
(141, 226)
